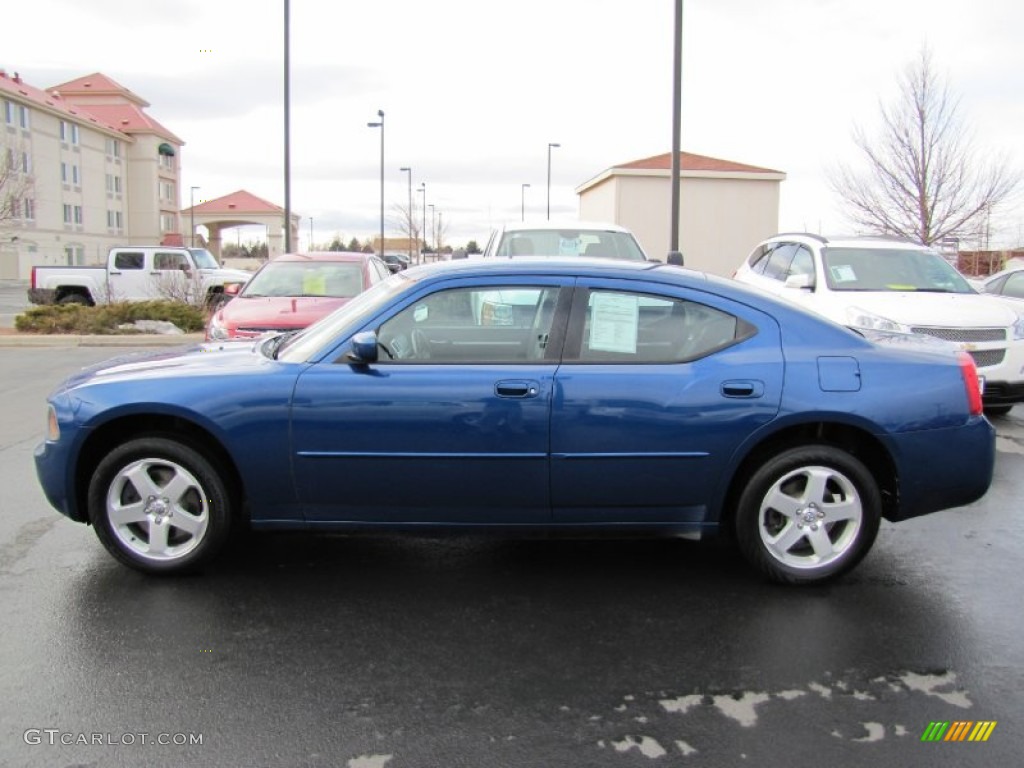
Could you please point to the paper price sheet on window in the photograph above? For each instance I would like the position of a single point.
(614, 320)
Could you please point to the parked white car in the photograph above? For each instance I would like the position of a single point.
(564, 238)
(891, 285)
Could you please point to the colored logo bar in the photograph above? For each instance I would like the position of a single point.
(959, 730)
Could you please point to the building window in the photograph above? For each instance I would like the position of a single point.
(15, 208)
(75, 255)
(167, 161)
(113, 184)
(8, 113)
(168, 222)
(110, 219)
(23, 120)
(78, 214)
(119, 219)
(75, 176)
(64, 173)
(68, 132)
(67, 213)
(30, 209)
(167, 191)
(113, 148)
(26, 163)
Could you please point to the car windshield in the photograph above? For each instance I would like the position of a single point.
(306, 278)
(895, 269)
(307, 344)
(598, 243)
(203, 258)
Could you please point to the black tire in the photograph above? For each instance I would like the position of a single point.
(74, 298)
(997, 410)
(128, 496)
(808, 515)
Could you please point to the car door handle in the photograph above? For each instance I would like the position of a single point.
(517, 388)
(742, 388)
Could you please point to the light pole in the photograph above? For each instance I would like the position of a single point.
(550, 145)
(192, 214)
(522, 202)
(409, 171)
(311, 233)
(423, 233)
(433, 229)
(380, 124)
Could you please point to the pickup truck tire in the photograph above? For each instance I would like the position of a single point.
(74, 298)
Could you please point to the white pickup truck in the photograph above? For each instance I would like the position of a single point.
(136, 273)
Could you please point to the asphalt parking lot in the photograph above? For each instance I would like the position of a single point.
(367, 652)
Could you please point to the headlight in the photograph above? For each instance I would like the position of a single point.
(216, 330)
(52, 427)
(861, 318)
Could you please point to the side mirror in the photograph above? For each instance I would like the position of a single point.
(800, 282)
(675, 258)
(364, 348)
(232, 289)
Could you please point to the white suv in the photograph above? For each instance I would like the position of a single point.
(892, 285)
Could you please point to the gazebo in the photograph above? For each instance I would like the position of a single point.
(238, 209)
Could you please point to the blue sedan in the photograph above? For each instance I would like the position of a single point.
(527, 394)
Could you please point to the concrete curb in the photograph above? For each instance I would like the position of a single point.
(114, 340)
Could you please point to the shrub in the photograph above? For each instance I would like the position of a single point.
(105, 319)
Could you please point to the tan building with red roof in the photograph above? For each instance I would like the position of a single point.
(725, 208)
(103, 173)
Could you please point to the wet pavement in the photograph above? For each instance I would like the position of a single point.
(391, 652)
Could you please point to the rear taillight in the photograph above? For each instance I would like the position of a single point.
(33, 284)
(971, 382)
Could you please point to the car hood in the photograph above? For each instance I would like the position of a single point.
(198, 360)
(278, 312)
(230, 275)
(963, 310)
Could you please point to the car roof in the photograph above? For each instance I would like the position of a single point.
(849, 241)
(351, 256)
(556, 224)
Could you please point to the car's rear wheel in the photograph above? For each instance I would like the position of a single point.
(159, 506)
(808, 514)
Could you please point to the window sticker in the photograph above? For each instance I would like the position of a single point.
(421, 313)
(843, 273)
(567, 247)
(614, 322)
(314, 284)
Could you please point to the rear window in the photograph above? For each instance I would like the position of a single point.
(571, 242)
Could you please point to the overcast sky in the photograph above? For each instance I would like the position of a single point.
(474, 90)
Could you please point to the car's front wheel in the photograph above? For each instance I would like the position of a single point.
(808, 514)
(159, 506)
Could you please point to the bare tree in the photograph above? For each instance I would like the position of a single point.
(407, 220)
(923, 179)
(16, 182)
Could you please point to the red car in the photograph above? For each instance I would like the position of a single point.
(294, 290)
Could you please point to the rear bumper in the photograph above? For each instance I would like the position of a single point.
(933, 475)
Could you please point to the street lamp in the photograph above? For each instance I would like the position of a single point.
(380, 124)
(409, 171)
(550, 145)
(192, 214)
(433, 228)
(311, 233)
(522, 203)
(423, 232)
